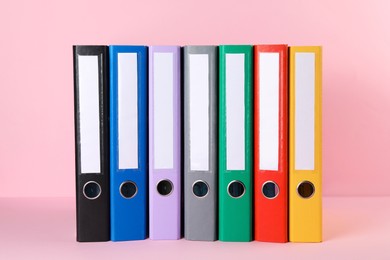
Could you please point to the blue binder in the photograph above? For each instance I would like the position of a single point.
(128, 142)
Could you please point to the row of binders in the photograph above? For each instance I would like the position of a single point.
(216, 142)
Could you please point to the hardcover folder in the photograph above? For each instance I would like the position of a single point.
(91, 141)
(270, 143)
(200, 142)
(305, 213)
(164, 143)
(235, 143)
(128, 142)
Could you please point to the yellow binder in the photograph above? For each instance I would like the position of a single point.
(305, 222)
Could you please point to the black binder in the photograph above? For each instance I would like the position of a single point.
(91, 114)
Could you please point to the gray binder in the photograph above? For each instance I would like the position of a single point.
(200, 142)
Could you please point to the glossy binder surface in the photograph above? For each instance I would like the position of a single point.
(128, 142)
(164, 143)
(91, 134)
(305, 214)
(235, 142)
(270, 143)
(200, 142)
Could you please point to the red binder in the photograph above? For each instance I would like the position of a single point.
(271, 143)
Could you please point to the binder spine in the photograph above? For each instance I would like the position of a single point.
(200, 142)
(92, 175)
(164, 142)
(128, 113)
(235, 157)
(305, 188)
(271, 167)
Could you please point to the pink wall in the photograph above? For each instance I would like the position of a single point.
(36, 99)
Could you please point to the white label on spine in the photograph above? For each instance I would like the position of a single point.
(127, 111)
(235, 111)
(199, 111)
(163, 110)
(269, 111)
(304, 110)
(89, 113)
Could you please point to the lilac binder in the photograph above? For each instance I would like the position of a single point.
(164, 143)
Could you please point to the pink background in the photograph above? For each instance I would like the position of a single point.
(36, 80)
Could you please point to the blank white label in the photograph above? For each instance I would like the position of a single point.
(304, 110)
(199, 111)
(127, 111)
(269, 111)
(163, 110)
(235, 111)
(89, 113)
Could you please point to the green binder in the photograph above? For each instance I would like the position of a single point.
(235, 142)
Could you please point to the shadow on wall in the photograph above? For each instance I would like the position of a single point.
(356, 139)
